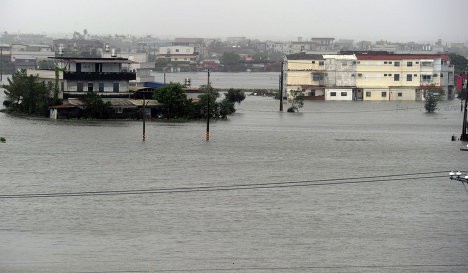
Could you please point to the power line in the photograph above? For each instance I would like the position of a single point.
(270, 268)
(269, 185)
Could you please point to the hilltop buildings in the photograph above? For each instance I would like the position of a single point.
(367, 76)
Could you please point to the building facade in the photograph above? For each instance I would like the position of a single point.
(368, 76)
(403, 76)
(109, 77)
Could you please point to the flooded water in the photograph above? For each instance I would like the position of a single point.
(245, 80)
(412, 223)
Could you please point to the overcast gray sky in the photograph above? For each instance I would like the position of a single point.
(393, 20)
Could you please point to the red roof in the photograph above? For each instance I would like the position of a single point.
(444, 57)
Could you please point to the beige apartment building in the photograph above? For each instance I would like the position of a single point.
(403, 76)
(367, 76)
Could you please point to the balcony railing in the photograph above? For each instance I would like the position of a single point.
(99, 76)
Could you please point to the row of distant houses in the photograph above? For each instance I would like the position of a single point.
(380, 76)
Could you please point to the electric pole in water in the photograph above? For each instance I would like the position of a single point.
(281, 87)
(208, 108)
(464, 135)
(144, 117)
(1, 65)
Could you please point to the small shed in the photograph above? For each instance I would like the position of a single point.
(63, 111)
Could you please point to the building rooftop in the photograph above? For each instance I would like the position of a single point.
(304, 56)
(94, 60)
(361, 56)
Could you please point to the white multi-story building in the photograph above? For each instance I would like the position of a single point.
(109, 77)
(403, 76)
(368, 76)
(322, 77)
(178, 54)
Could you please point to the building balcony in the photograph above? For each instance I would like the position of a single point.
(99, 76)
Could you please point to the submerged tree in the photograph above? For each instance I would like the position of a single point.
(432, 97)
(27, 94)
(174, 99)
(95, 107)
(235, 95)
(297, 100)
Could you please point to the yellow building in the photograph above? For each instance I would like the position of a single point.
(367, 76)
(403, 76)
(305, 73)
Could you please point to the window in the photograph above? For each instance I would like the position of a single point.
(409, 63)
(397, 64)
(385, 75)
(389, 75)
(359, 74)
(90, 86)
(321, 63)
(101, 87)
(434, 76)
(409, 77)
(426, 77)
(62, 86)
(441, 75)
(417, 62)
(115, 87)
(368, 94)
(415, 75)
(333, 94)
(384, 94)
(396, 77)
(79, 86)
(389, 62)
(177, 50)
(313, 62)
(385, 62)
(344, 94)
(317, 76)
(400, 94)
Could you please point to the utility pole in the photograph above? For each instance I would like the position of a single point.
(464, 135)
(281, 87)
(1, 65)
(144, 118)
(208, 108)
(164, 78)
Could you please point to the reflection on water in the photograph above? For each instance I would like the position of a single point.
(398, 224)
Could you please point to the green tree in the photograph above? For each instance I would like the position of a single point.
(95, 107)
(174, 99)
(230, 58)
(432, 96)
(297, 101)
(235, 95)
(226, 107)
(46, 64)
(459, 62)
(27, 94)
(203, 105)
